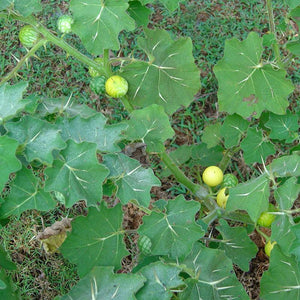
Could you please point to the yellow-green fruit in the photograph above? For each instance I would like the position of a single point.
(28, 36)
(116, 86)
(93, 72)
(222, 198)
(266, 219)
(268, 247)
(212, 176)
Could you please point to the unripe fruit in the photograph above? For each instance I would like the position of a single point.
(97, 85)
(268, 247)
(145, 244)
(229, 180)
(93, 72)
(28, 36)
(64, 23)
(116, 86)
(266, 219)
(212, 176)
(222, 198)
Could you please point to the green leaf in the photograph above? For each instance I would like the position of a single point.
(293, 3)
(174, 231)
(65, 106)
(170, 78)
(5, 3)
(26, 194)
(96, 240)
(247, 86)
(93, 130)
(77, 175)
(171, 5)
(102, 282)
(281, 280)
(255, 148)
(161, 279)
(11, 100)
(212, 135)
(295, 15)
(282, 234)
(98, 23)
(133, 181)
(285, 166)
(139, 13)
(252, 196)
(294, 47)
(212, 276)
(39, 137)
(201, 155)
(151, 125)
(237, 244)
(287, 193)
(5, 262)
(283, 127)
(232, 129)
(28, 7)
(10, 291)
(295, 247)
(8, 161)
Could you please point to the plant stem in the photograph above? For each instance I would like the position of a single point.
(128, 106)
(213, 215)
(237, 216)
(266, 237)
(106, 62)
(273, 30)
(30, 53)
(60, 42)
(227, 158)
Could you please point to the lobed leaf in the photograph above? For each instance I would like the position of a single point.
(38, 137)
(232, 129)
(102, 283)
(285, 166)
(161, 279)
(252, 196)
(281, 280)
(237, 244)
(77, 174)
(96, 240)
(26, 194)
(212, 135)
(151, 125)
(133, 181)
(295, 247)
(139, 13)
(171, 71)
(174, 231)
(27, 7)
(98, 23)
(255, 148)
(93, 130)
(11, 100)
(8, 161)
(171, 5)
(247, 85)
(212, 276)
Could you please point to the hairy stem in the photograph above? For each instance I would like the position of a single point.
(227, 158)
(21, 62)
(273, 30)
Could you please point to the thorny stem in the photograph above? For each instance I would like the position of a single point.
(30, 53)
(227, 158)
(273, 30)
(59, 42)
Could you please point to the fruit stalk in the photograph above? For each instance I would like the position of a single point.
(30, 53)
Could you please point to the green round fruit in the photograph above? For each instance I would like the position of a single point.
(145, 244)
(93, 72)
(212, 176)
(28, 36)
(97, 85)
(116, 86)
(266, 219)
(229, 180)
(269, 247)
(64, 23)
(222, 197)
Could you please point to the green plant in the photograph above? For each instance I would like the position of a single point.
(222, 197)
(28, 36)
(64, 23)
(56, 150)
